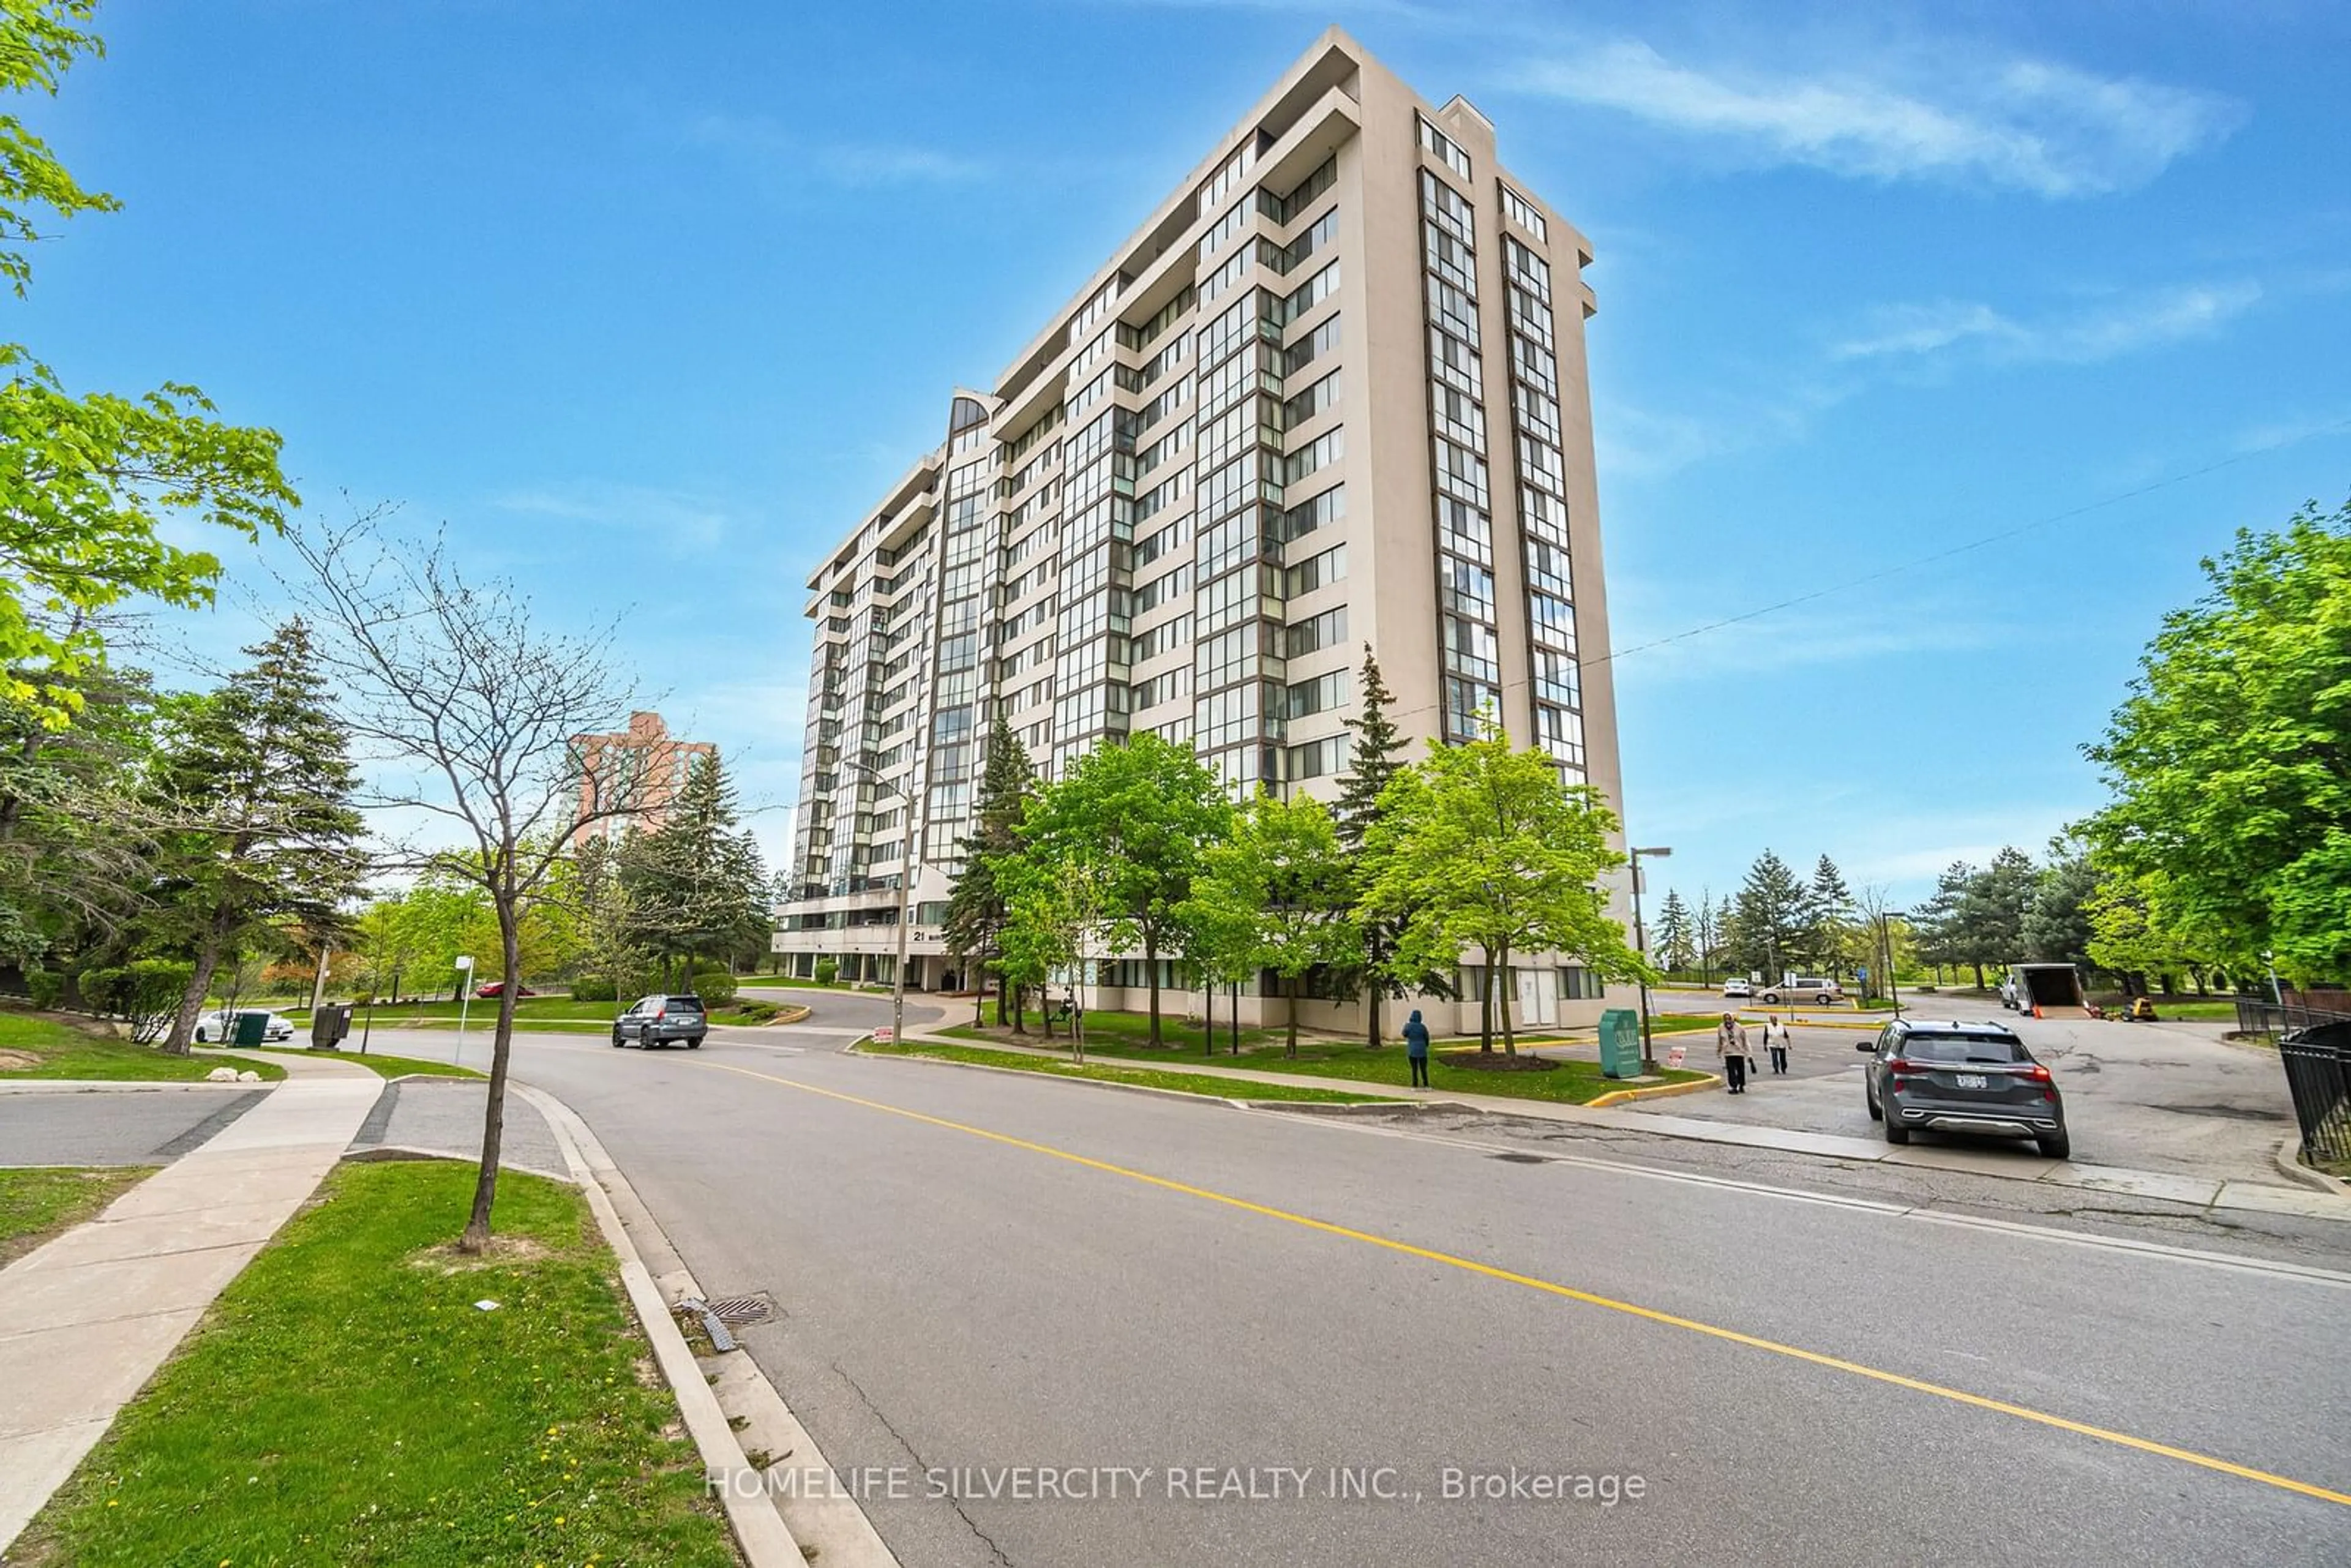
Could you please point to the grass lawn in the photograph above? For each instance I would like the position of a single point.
(1112, 1072)
(344, 1402)
(1574, 1081)
(65, 1051)
(1123, 1028)
(388, 1066)
(37, 1202)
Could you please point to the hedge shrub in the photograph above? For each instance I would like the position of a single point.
(594, 989)
(713, 984)
(827, 971)
(45, 986)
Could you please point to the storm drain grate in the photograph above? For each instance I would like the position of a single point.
(738, 1311)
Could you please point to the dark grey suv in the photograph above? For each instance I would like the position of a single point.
(1962, 1078)
(663, 1020)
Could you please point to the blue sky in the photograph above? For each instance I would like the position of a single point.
(649, 310)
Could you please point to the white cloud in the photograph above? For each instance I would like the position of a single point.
(857, 165)
(2016, 124)
(2148, 320)
(678, 518)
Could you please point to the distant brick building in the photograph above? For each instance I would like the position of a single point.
(642, 764)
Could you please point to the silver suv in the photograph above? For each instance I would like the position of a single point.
(663, 1020)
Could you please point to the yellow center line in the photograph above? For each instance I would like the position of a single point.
(1569, 1293)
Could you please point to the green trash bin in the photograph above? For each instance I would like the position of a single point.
(252, 1029)
(1620, 1044)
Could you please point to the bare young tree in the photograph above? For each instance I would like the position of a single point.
(453, 681)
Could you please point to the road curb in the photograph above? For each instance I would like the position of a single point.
(1654, 1092)
(378, 1153)
(2287, 1158)
(833, 1525)
(757, 1528)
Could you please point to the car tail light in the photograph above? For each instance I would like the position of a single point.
(1898, 1066)
(2037, 1073)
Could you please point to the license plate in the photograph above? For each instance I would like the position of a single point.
(1970, 1080)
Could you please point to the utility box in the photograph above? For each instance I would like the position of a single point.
(252, 1029)
(1620, 1044)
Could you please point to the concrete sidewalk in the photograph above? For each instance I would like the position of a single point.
(86, 1318)
(2251, 1197)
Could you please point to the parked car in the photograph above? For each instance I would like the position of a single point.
(222, 1026)
(495, 988)
(663, 1020)
(1962, 1078)
(1824, 993)
(1737, 988)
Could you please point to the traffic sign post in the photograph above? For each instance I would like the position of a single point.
(465, 999)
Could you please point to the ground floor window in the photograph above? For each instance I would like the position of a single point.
(1579, 984)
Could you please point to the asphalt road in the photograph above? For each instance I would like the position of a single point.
(116, 1127)
(983, 1272)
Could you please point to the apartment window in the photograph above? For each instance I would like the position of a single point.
(1310, 293)
(1162, 590)
(1320, 695)
(1554, 620)
(1522, 213)
(1228, 177)
(1557, 679)
(1226, 228)
(1312, 238)
(1313, 346)
(1324, 449)
(1319, 758)
(1307, 515)
(1285, 207)
(1327, 630)
(1577, 984)
(1435, 140)
(1472, 649)
(1319, 398)
(1316, 571)
(1447, 206)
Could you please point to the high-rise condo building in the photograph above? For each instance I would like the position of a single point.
(1331, 393)
(640, 768)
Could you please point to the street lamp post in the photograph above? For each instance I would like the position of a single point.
(464, 1001)
(1641, 942)
(2277, 994)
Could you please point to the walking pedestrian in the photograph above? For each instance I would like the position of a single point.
(1730, 1048)
(1415, 1049)
(1775, 1041)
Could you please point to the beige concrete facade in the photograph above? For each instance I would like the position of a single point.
(1331, 394)
(642, 767)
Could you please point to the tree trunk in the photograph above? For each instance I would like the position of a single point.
(1151, 969)
(1486, 1007)
(1979, 981)
(1208, 1018)
(1020, 1008)
(1077, 1032)
(1510, 1036)
(191, 1001)
(1000, 1018)
(493, 1111)
(1372, 1013)
(1295, 982)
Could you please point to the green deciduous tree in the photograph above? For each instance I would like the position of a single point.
(261, 787)
(1480, 845)
(2231, 758)
(1135, 815)
(85, 481)
(1280, 889)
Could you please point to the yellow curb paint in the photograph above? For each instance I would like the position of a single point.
(1569, 1293)
(1654, 1092)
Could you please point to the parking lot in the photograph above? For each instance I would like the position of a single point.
(2171, 1097)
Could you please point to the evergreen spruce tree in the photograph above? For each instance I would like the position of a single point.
(1672, 938)
(696, 885)
(1828, 904)
(259, 786)
(1374, 759)
(978, 908)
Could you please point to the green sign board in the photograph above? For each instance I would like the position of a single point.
(1620, 1044)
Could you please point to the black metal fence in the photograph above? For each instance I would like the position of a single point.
(2317, 1061)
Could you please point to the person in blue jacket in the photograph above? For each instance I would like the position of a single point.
(1415, 1049)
